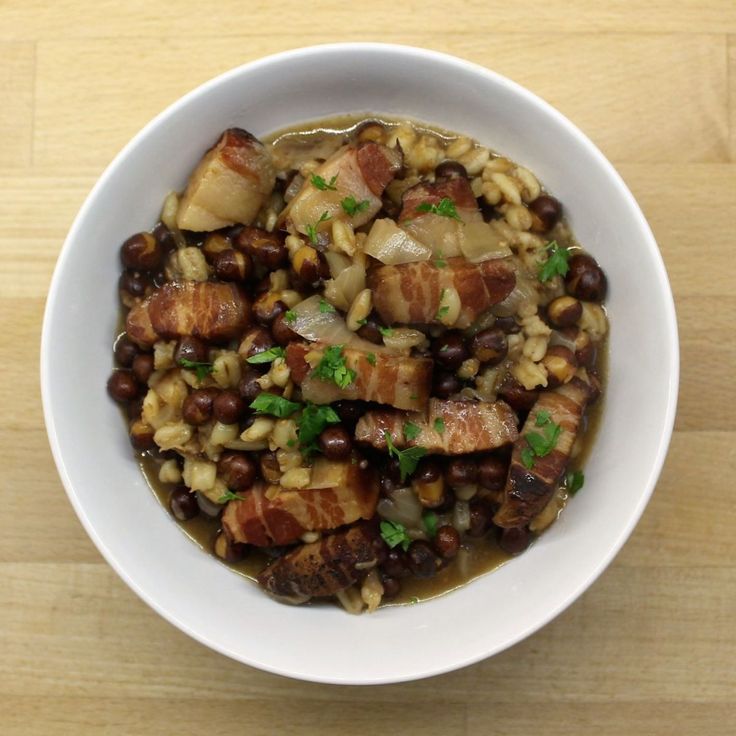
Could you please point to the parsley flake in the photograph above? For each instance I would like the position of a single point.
(321, 184)
(543, 417)
(312, 229)
(411, 431)
(229, 496)
(311, 423)
(556, 263)
(371, 358)
(201, 369)
(352, 207)
(386, 331)
(439, 425)
(266, 356)
(290, 316)
(277, 406)
(429, 518)
(325, 307)
(332, 367)
(408, 459)
(395, 534)
(574, 481)
(440, 261)
(445, 208)
(539, 445)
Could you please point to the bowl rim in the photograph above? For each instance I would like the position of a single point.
(294, 56)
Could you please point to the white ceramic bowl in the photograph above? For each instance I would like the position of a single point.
(190, 588)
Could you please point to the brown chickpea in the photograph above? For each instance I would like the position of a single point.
(267, 307)
(270, 467)
(516, 396)
(395, 563)
(283, 334)
(492, 471)
(480, 519)
(335, 443)
(509, 325)
(370, 130)
(164, 237)
(450, 170)
(428, 483)
(141, 252)
(308, 265)
(421, 559)
(514, 540)
(249, 388)
(215, 243)
(256, 340)
(143, 367)
(232, 265)
(585, 351)
(490, 346)
(122, 385)
(447, 542)
(125, 351)
(183, 504)
(192, 349)
(371, 330)
(585, 279)
(141, 435)
(391, 586)
(235, 551)
(266, 248)
(445, 384)
(132, 284)
(238, 470)
(561, 365)
(461, 471)
(228, 407)
(546, 212)
(134, 409)
(449, 350)
(564, 311)
(197, 406)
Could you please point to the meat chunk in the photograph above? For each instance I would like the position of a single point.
(456, 189)
(411, 293)
(229, 185)
(446, 428)
(213, 311)
(529, 489)
(323, 568)
(341, 493)
(361, 172)
(382, 377)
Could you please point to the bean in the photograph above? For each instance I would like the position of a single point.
(490, 346)
(267, 307)
(451, 170)
(122, 385)
(125, 351)
(133, 283)
(143, 367)
(447, 541)
(516, 396)
(371, 330)
(564, 311)
(270, 469)
(256, 340)
(395, 564)
(515, 540)
(422, 560)
(228, 407)
(335, 443)
(492, 472)
(461, 471)
(141, 435)
(238, 470)
(232, 265)
(509, 325)
(480, 519)
(197, 406)
(309, 266)
(192, 349)
(266, 248)
(547, 211)
(283, 334)
(391, 586)
(183, 504)
(585, 279)
(248, 387)
(449, 350)
(141, 252)
(445, 384)
(561, 365)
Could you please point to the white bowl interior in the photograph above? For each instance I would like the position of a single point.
(192, 589)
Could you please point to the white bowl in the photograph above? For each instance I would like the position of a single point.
(201, 596)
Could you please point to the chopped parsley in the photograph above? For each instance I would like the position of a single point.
(266, 356)
(386, 331)
(429, 518)
(311, 423)
(201, 369)
(442, 312)
(574, 481)
(321, 184)
(277, 406)
(539, 445)
(446, 208)
(413, 600)
(543, 417)
(408, 459)
(290, 316)
(556, 263)
(229, 496)
(352, 207)
(325, 307)
(371, 358)
(411, 431)
(395, 534)
(440, 261)
(363, 322)
(312, 229)
(332, 367)
(439, 425)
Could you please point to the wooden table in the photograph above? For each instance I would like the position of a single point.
(651, 647)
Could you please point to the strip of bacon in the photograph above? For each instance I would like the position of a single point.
(529, 489)
(411, 293)
(382, 377)
(446, 428)
(270, 515)
(323, 568)
(214, 311)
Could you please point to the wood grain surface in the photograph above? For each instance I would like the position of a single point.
(651, 647)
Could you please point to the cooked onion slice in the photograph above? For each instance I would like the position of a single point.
(391, 245)
(480, 241)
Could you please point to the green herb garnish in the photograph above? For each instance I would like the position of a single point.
(556, 263)
(363, 322)
(440, 261)
(371, 358)
(290, 316)
(201, 369)
(325, 307)
(442, 312)
(229, 496)
(394, 534)
(543, 417)
(574, 481)
(408, 459)
(312, 229)
(266, 356)
(332, 367)
(429, 518)
(321, 184)
(439, 425)
(386, 331)
(527, 457)
(446, 208)
(277, 406)
(411, 431)
(352, 207)
(539, 445)
(311, 423)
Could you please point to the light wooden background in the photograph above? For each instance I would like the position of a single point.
(651, 647)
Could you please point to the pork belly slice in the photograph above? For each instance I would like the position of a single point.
(529, 489)
(361, 172)
(229, 185)
(323, 568)
(340, 493)
(463, 427)
(213, 311)
(411, 293)
(383, 377)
